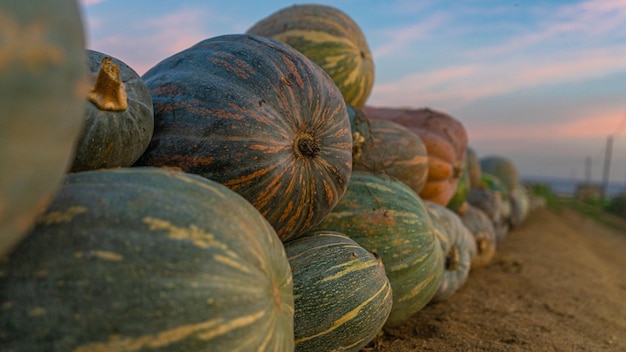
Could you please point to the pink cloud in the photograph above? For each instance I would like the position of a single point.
(599, 125)
(154, 39)
(588, 125)
(457, 85)
(90, 2)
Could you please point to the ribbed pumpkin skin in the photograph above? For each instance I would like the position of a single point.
(42, 85)
(503, 168)
(115, 138)
(331, 39)
(342, 294)
(445, 139)
(386, 217)
(395, 151)
(458, 247)
(257, 116)
(484, 234)
(143, 259)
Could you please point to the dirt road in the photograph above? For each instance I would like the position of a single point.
(557, 283)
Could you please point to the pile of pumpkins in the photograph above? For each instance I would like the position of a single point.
(238, 196)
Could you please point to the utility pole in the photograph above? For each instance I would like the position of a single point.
(607, 165)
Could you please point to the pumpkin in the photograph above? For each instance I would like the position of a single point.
(520, 205)
(257, 116)
(493, 198)
(118, 118)
(330, 38)
(386, 217)
(394, 150)
(458, 247)
(147, 259)
(458, 202)
(43, 83)
(445, 139)
(360, 128)
(342, 294)
(484, 233)
(503, 168)
(473, 167)
(494, 183)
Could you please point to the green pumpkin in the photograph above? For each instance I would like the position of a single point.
(147, 259)
(259, 117)
(394, 150)
(43, 84)
(503, 168)
(342, 294)
(119, 119)
(458, 247)
(330, 38)
(388, 218)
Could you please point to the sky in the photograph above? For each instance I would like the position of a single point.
(542, 83)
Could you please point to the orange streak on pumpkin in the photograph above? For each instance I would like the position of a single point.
(195, 106)
(240, 68)
(268, 149)
(296, 178)
(185, 161)
(293, 70)
(237, 183)
(240, 113)
(286, 212)
(167, 90)
(329, 192)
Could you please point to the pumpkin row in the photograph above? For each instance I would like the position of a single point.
(142, 258)
(240, 196)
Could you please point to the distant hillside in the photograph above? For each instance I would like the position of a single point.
(567, 187)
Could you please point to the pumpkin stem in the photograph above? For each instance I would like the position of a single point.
(453, 259)
(481, 243)
(357, 145)
(109, 92)
(305, 146)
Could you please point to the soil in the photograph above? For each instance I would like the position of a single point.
(557, 283)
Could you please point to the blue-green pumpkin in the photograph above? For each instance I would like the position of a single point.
(342, 296)
(119, 119)
(259, 117)
(458, 246)
(388, 218)
(147, 259)
(43, 83)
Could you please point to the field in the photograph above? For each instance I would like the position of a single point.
(557, 283)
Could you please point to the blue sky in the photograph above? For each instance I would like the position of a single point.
(540, 82)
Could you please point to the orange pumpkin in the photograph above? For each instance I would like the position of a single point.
(445, 139)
